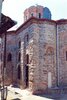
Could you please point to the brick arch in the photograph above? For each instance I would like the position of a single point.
(50, 50)
(64, 49)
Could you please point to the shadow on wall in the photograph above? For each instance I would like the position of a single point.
(53, 96)
(16, 99)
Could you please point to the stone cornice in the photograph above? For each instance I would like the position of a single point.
(38, 21)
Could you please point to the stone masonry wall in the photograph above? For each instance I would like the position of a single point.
(48, 54)
(44, 55)
(10, 69)
(62, 67)
(42, 47)
(26, 48)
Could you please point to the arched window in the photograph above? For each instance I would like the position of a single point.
(19, 57)
(50, 55)
(39, 15)
(27, 37)
(50, 51)
(19, 72)
(9, 58)
(32, 15)
(19, 44)
(27, 59)
(1, 56)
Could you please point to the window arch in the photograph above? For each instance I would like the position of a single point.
(19, 44)
(31, 14)
(19, 72)
(9, 58)
(19, 56)
(27, 58)
(39, 15)
(50, 51)
(27, 37)
(1, 56)
(50, 55)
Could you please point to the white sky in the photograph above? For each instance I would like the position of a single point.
(15, 8)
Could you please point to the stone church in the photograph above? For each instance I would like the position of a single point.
(36, 52)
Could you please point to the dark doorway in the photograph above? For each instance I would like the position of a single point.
(27, 75)
(19, 72)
